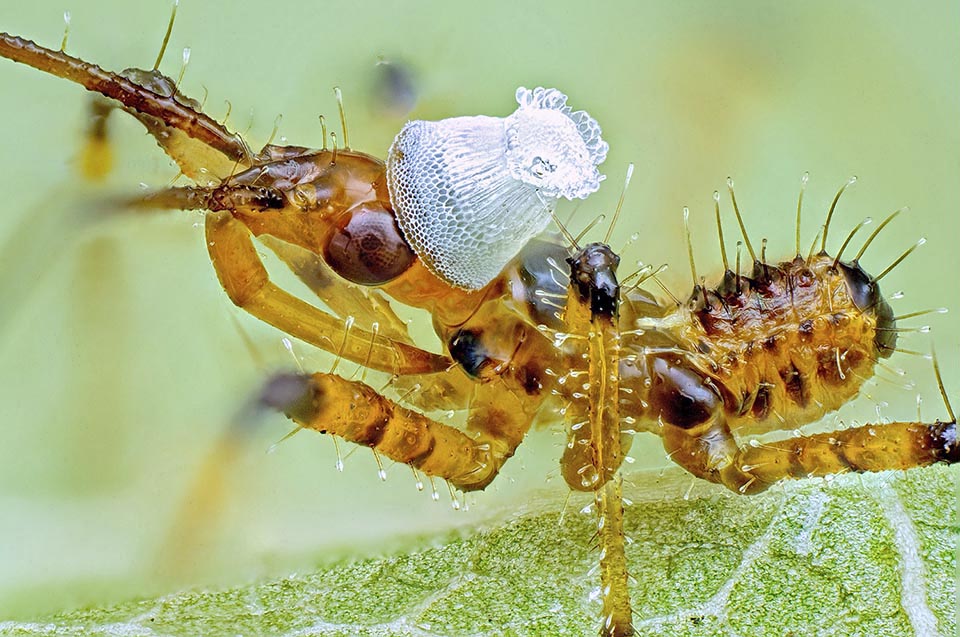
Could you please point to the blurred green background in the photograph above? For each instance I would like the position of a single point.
(120, 357)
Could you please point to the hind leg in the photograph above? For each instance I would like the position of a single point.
(712, 452)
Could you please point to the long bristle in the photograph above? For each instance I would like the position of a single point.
(590, 226)
(803, 186)
(616, 213)
(833, 206)
(846, 241)
(343, 117)
(686, 228)
(743, 229)
(323, 130)
(183, 67)
(899, 260)
(873, 235)
(566, 233)
(166, 36)
(723, 247)
(66, 31)
(943, 392)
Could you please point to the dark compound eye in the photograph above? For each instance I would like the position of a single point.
(367, 248)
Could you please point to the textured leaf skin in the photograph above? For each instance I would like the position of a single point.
(856, 555)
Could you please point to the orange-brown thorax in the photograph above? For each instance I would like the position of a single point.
(336, 205)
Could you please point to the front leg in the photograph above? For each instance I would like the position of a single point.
(247, 284)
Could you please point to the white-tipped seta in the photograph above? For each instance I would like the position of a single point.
(470, 192)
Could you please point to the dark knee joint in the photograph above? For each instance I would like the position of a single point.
(680, 397)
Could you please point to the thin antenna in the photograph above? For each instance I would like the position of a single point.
(623, 194)
(686, 228)
(874, 234)
(166, 36)
(723, 248)
(743, 229)
(943, 392)
(833, 206)
(899, 260)
(846, 241)
(323, 130)
(66, 31)
(803, 186)
(333, 138)
(343, 117)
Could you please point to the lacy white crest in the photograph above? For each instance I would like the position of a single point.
(470, 192)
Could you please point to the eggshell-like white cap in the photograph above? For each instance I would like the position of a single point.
(470, 192)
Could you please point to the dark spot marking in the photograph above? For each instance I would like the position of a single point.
(373, 432)
(419, 459)
(761, 403)
(467, 348)
(529, 377)
(805, 330)
(794, 385)
(942, 442)
(827, 369)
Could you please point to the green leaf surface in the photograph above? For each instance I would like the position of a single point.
(856, 555)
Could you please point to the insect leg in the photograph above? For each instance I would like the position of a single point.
(355, 411)
(501, 418)
(247, 284)
(147, 94)
(711, 452)
(364, 303)
(896, 445)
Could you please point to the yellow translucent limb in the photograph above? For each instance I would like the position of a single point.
(714, 454)
(247, 284)
(364, 303)
(355, 412)
(501, 418)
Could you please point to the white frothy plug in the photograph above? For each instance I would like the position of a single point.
(470, 192)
